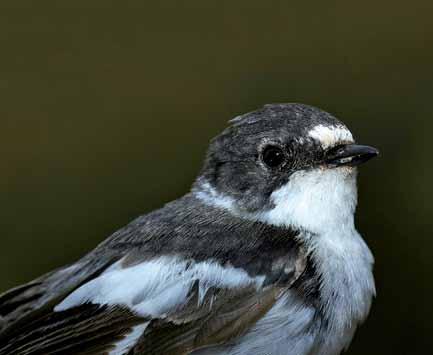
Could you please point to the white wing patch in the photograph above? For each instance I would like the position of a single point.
(155, 287)
(329, 136)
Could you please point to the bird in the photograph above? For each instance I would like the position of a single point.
(260, 257)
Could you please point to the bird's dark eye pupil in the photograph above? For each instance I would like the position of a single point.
(273, 156)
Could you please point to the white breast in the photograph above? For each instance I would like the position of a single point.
(323, 202)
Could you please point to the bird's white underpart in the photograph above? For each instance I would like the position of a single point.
(322, 202)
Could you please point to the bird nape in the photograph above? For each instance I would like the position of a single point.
(260, 257)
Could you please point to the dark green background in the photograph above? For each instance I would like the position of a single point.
(106, 109)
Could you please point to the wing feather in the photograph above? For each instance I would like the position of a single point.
(83, 329)
(35, 300)
(224, 315)
(56, 314)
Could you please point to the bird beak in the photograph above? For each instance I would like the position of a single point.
(350, 155)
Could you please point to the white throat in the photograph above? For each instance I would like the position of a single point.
(317, 201)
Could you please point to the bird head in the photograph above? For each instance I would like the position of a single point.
(283, 163)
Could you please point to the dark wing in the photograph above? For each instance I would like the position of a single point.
(29, 325)
(32, 303)
(85, 329)
(222, 315)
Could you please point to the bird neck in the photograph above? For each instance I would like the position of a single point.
(344, 266)
(343, 270)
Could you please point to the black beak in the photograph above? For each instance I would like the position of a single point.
(350, 155)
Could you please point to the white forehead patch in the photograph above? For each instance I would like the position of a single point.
(329, 136)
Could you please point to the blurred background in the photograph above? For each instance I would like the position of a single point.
(107, 107)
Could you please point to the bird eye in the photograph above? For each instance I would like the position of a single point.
(273, 156)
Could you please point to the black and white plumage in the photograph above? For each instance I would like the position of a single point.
(261, 257)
